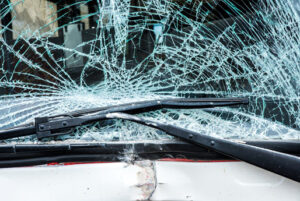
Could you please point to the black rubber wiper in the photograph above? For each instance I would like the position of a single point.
(277, 162)
(280, 163)
(52, 125)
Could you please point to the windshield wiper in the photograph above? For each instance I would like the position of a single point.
(48, 126)
(277, 162)
(280, 163)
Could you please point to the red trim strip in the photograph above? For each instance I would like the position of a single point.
(194, 161)
(76, 163)
(163, 159)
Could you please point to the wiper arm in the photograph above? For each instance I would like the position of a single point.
(175, 103)
(277, 162)
(48, 126)
(283, 164)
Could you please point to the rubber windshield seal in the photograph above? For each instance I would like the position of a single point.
(38, 154)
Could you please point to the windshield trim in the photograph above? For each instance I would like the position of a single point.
(20, 155)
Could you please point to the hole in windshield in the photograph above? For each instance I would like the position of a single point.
(59, 56)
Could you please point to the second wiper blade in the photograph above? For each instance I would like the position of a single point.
(151, 105)
(280, 163)
(44, 126)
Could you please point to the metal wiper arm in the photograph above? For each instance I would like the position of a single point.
(77, 118)
(151, 105)
(283, 164)
(280, 163)
(277, 162)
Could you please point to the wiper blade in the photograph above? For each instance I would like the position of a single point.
(277, 162)
(48, 126)
(280, 163)
(151, 105)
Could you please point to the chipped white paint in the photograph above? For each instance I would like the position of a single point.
(146, 180)
(152, 124)
(122, 116)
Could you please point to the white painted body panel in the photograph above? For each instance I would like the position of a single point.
(158, 180)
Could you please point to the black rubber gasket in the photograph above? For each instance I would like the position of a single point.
(37, 154)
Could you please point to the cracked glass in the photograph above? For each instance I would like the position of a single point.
(59, 56)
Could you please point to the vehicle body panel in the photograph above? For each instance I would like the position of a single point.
(146, 180)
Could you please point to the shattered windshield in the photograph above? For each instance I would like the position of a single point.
(59, 56)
